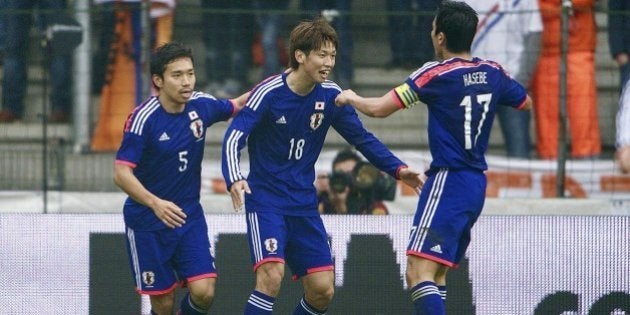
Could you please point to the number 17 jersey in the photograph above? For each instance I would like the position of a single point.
(462, 97)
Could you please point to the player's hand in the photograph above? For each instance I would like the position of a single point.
(344, 97)
(623, 158)
(237, 192)
(169, 213)
(411, 178)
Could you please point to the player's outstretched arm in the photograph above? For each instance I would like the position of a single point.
(411, 178)
(372, 106)
(240, 101)
(237, 191)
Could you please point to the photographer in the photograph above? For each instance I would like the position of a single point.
(354, 187)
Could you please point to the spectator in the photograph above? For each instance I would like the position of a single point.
(270, 23)
(509, 33)
(3, 18)
(354, 187)
(336, 12)
(402, 26)
(111, 15)
(619, 36)
(581, 94)
(227, 38)
(14, 83)
(623, 129)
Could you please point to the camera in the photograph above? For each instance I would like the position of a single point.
(365, 181)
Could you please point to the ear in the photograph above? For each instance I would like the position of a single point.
(157, 81)
(441, 39)
(300, 56)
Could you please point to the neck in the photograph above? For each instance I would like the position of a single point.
(462, 55)
(299, 82)
(170, 106)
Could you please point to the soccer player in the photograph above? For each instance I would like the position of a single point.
(159, 166)
(462, 94)
(284, 123)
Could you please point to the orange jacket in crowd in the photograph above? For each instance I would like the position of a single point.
(581, 86)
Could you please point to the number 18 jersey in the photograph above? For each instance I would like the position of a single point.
(285, 133)
(462, 97)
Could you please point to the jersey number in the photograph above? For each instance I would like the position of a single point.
(184, 161)
(484, 101)
(296, 149)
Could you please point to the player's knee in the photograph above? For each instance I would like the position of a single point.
(324, 293)
(163, 304)
(321, 289)
(269, 277)
(203, 298)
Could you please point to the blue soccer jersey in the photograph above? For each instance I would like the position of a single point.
(166, 151)
(285, 133)
(462, 96)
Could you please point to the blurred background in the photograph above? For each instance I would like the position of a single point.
(236, 44)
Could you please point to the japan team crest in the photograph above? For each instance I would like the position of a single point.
(148, 277)
(197, 128)
(316, 120)
(271, 244)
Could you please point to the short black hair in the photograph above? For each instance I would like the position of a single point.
(458, 21)
(166, 54)
(346, 155)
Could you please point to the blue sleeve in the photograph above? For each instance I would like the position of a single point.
(349, 126)
(234, 141)
(514, 94)
(133, 144)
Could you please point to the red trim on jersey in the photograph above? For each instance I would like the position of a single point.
(157, 292)
(442, 68)
(123, 162)
(397, 100)
(314, 270)
(266, 260)
(233, 107)
(519, 107)
(432, 258)
(201, 276)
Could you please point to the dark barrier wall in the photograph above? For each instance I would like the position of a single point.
(372, 285)
(540, 265)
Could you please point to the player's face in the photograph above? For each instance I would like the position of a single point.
(177, 83)
(319, 62)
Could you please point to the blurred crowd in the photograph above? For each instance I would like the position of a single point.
(239, 35)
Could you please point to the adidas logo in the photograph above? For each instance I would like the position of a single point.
(164, 137)
(281, 120)
(437, 249)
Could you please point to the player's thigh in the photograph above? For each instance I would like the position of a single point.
(150, 254)
(308, 249)
(449, 205)
(193, 258)
(267, 237)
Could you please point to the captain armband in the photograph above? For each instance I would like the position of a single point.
(408, 97)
